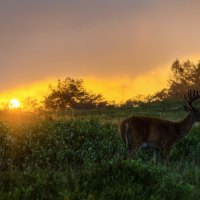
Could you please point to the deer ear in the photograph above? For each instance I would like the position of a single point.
(186, 108)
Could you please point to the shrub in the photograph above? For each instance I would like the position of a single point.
(5, 144)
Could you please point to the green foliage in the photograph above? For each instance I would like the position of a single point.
(84, 158)
(188, 148)
(55, 145)
(5, 143)
(29, 185)
(134, 180)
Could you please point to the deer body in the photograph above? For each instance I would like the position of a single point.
(160, 135)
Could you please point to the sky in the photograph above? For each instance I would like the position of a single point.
(120, 48)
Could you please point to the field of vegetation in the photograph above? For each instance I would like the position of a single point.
(80, 155)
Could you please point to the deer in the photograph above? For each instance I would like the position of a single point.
(139, 132)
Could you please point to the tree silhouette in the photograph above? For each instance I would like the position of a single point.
(183, 76)
(70, 93)
(181, 79)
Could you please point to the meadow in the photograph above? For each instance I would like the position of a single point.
(80, 155)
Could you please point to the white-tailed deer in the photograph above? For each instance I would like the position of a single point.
(160, 135)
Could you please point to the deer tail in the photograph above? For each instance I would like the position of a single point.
(124, 129)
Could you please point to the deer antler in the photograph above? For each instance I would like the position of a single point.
(192, 96)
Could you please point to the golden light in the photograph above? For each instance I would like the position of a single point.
(13, 104)
(116, 89)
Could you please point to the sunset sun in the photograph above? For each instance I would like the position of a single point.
(14, 104)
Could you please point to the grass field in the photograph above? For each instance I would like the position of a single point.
(80, 155)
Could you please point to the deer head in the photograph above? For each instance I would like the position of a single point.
(191, 97)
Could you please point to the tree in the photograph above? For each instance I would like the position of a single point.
(181, 79)
(183, 76)
(196, 77)
(70, 93)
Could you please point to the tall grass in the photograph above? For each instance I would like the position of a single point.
(80, 155)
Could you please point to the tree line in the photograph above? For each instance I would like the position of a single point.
(183, 76)
(71, 94)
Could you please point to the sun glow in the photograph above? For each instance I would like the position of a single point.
(113, 89)
(123, 88)
(14, 104)
(23, 94)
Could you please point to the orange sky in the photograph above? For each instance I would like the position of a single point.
(120, 48)
(113, 89)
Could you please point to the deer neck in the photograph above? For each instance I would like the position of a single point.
(185, 125)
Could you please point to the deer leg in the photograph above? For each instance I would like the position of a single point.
(159, 154)
(166, 154)
(155, 155)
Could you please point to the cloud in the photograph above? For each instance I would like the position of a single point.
(101, 39)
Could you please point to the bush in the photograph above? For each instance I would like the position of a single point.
(188, 148)
(5, 144)
(72, 142)
(131, 180)
(85, 159)
(29, 185)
